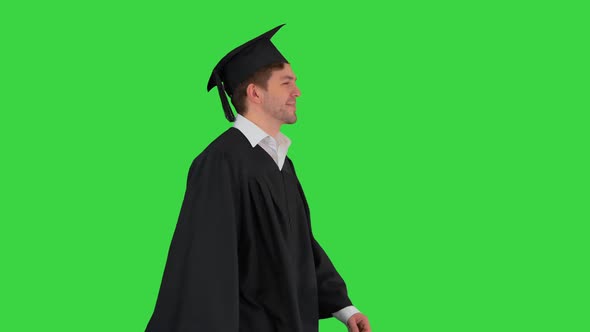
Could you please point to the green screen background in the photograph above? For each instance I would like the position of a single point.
(443, 148)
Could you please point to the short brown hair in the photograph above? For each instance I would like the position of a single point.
(260, 78)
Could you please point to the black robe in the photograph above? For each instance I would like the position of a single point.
(243, 256)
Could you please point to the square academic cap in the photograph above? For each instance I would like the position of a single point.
(241, 63)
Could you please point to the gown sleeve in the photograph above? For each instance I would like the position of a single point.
(332, 293)
(199, 289)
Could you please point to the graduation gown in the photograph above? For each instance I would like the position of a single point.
(243, 256)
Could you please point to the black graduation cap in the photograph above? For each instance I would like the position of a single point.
(242, 62)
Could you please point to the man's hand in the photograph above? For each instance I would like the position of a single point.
(358, 323)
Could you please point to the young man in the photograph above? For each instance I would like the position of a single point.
(243, 256)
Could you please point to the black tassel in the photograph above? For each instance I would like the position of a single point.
(229, 114)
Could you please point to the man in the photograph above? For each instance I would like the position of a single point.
(243, 256)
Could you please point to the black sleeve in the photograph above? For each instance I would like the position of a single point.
(199, 289)
(332, 293)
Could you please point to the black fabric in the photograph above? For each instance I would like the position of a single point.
(245, 60)
(243, 256)
(229, 115)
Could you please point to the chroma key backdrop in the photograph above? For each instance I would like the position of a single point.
(442, 145)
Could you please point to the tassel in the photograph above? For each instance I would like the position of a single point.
(229, 114)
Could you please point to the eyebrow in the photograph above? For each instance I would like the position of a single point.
(289, 77)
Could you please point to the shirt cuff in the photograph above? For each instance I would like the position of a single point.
(344, 314)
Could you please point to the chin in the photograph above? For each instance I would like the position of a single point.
(291, 120)
(288, 117)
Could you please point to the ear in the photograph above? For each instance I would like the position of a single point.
(254, 93)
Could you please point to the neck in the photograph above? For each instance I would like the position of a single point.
(270, 126)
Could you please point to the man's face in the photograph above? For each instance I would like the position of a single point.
(280, 95)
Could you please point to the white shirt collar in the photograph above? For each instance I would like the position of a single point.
(276, 148)
(255, 134)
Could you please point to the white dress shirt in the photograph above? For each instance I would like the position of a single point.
(277, 148)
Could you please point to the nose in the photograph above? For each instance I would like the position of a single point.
(296, 92)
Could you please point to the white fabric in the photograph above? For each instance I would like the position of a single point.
(276, 147)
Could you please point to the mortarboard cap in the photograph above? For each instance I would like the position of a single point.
(241, 63)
